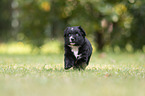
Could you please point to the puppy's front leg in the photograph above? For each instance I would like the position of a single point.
(69, 62)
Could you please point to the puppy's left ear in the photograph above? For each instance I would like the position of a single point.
(65, 32)
(82, 30)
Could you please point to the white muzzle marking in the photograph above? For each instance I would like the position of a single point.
(70, 38)
(72, 29)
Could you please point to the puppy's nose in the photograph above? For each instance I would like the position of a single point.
(72, 39)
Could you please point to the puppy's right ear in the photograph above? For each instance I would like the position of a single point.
(82, 30)
(65, 32)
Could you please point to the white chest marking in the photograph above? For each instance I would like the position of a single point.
(75, 50)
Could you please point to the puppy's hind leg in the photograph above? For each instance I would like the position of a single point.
(76, 67)
(83, 66)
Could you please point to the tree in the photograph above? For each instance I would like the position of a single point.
(5, 19)
(34, 17)
(109, 22)
(137, 32)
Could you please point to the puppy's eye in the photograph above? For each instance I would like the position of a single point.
(77, 34)
(69, 35)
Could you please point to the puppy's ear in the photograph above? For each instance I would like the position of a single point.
(65, 32)
(82, 30)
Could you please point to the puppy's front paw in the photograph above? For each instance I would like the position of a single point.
(66, 68)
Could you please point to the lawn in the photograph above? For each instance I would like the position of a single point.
(109, 74)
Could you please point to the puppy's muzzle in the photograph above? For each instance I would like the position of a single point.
(71, 39)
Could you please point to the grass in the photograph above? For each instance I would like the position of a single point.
(108, 74)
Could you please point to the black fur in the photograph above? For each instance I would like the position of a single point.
(73, 37)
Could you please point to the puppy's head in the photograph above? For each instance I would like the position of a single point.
(74, 36)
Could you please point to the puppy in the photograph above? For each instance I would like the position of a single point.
(78, 49)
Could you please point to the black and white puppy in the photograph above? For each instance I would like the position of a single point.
(78, 49)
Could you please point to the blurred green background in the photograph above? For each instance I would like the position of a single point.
(115, 27)
(37, 25)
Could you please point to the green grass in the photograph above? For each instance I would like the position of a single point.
(108, 74)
